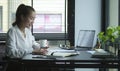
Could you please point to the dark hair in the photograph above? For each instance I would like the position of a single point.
(22, 10)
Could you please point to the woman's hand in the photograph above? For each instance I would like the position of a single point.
(40, 51)
(43, 51)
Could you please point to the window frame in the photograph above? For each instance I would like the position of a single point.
(1, 12)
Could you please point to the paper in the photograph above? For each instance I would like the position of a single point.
(62, 53)
(59, 50)
(92, 52)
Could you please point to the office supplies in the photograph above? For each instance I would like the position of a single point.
(85, 40)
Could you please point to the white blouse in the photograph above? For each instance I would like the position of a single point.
(17, 45)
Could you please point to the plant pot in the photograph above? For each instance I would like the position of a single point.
(102, 46)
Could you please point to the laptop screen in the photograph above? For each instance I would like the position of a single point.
(86, 38)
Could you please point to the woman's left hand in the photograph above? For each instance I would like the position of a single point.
(43, 51)
(40, 51)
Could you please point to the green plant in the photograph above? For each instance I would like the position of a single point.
(110, 35)
(110, 39)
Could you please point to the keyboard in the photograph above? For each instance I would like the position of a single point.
(102, 55)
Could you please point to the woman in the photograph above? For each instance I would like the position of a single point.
(20, 41)
(19, 37)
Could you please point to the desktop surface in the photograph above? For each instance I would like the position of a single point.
(83, 55)
(83, 60)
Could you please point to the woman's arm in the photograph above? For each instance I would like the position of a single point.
(35, 44)
(37, 48)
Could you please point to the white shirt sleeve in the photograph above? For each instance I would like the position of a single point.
(35, 44)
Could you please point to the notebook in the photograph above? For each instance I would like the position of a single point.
(85, 39)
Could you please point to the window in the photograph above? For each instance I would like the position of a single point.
(7, 14)
(50, 22)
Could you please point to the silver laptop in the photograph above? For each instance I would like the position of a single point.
(85, 40)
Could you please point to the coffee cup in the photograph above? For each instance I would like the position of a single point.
(43, 43)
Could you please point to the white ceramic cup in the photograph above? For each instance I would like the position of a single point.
(43, 43)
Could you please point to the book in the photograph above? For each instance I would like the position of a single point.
(56, 53)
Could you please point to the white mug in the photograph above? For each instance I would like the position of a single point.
(43, 43)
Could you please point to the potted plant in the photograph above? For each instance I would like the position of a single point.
(109, 37)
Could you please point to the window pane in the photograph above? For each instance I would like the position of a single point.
(48, 23)
(50, 17)
(7, 12)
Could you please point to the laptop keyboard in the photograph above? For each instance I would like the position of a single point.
(79, 48)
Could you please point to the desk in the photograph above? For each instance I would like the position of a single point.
(83, 60)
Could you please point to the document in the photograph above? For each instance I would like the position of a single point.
(62, 53)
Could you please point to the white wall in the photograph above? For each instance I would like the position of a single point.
(87, 16)
(113, 12)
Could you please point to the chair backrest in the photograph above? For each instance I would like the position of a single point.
(85, 38)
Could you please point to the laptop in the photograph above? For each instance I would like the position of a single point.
(85, 40)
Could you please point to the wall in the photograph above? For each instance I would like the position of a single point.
(113, 16)
(113, 12)
(87, 16)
